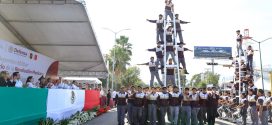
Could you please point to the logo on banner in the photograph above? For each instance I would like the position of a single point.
(73, 97)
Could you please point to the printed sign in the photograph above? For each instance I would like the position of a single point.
(15, 58)
(212, 52)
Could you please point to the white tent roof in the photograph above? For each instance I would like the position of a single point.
(59, 29)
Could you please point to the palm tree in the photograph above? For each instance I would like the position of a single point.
(123, 53)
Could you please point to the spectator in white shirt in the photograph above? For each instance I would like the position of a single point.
(16, 78)
(29, 82)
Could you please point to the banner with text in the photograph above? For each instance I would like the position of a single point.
(212, 52)
(15, 58)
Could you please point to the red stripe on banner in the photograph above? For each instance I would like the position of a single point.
(91, 99)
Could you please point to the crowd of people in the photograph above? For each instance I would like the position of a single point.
(150, 105)
(14, 80)
(195, 106)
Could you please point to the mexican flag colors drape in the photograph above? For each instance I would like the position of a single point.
(28, 106)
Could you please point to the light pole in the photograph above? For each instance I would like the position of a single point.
(260, 52)
(113, 60)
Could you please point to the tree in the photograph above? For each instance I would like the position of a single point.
(122, 52)
(202, 79)
(131, 77)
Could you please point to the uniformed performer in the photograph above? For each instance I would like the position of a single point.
(130, 104)
(181, 58)
(212, 106)
(170, 44)
(195, 106)
(163, 103)
(262, 107)
(252, 107)
(174, 104)
(169, 9)
(153, 67)
(203, 106)
(160, 29)
(186, 107)
(138, 105)
(170, 74)
(121, 99)
(159, 53)
(243, 107)
(145, 109)
(152, 106)
(239, 41)
(269, 99)
(178, 28)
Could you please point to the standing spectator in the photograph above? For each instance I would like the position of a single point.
(114, 97)
(29, 82)
(49, 83)
(42, 82)
(16, 78)
(4, 80)
(108, 97)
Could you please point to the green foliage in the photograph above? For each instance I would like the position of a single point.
(48, 121)
(64, 122)
(202, 79)
(131, 77)
(124, 75)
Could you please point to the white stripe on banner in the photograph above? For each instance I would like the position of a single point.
(61, 103)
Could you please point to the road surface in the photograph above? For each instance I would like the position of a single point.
(110, 118)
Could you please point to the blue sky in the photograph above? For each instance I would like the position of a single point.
(213, 23)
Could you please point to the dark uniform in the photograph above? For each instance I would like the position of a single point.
(186, 109)
(252, 109)
(159, 55)
(174, 105)
(163, 103)
(212, 108)
(152, 107)
(159, 28)
(244, 110)
(262, 108)
(138, 105)
(130, 107)
(195, 108)
(203, 108)
(121, 99)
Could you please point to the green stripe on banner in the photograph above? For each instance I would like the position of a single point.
(24, 106)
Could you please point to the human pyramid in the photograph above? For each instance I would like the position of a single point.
(198, 106)
(150, 105)
(167, 32)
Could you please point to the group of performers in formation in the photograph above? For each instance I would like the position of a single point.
(254, 103)
(169, 28)
(197, 106)
(149, 106)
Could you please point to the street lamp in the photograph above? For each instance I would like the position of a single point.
(113, 60)
(259, 42)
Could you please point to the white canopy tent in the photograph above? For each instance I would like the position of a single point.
(60, 29)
